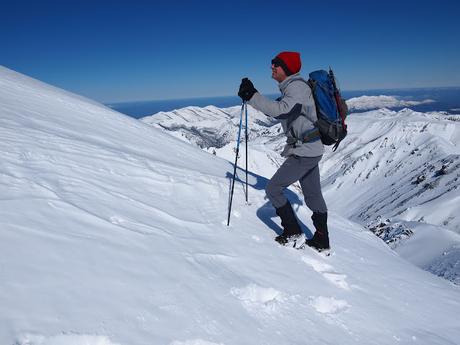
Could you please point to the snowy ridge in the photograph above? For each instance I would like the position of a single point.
(382, 101)
(204, 127)
(114, 233)
(393, 167)
(405, 164)
(205, 119)
(402, 168)
(211, 127)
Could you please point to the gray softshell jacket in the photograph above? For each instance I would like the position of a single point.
(297, 113)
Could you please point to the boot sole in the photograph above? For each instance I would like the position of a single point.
(323, 252)
(296, 241)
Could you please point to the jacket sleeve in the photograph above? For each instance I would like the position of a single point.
(275, 108)
(297, 98)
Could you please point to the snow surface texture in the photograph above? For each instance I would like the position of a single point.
(393, 172)
(113, 233)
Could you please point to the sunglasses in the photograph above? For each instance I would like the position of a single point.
(276, 62)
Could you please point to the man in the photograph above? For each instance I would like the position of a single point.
(297, 113)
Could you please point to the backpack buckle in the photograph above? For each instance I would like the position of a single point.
(311, 136)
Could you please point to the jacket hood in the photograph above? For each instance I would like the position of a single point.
(289, 80)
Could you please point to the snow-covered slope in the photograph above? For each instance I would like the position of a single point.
(393, 172)
(401, 170)
(114, 233)
(404, 164)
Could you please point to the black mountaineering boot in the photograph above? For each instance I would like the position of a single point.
(320, 240)
(289, 223)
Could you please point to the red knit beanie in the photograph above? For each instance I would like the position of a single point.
(291, 60)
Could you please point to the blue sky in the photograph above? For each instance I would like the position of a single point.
(115, 51)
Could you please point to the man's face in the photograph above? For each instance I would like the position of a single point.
(278, 73)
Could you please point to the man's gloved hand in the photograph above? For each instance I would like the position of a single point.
(247, 90)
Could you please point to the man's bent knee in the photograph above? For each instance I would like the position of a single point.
(275, 194)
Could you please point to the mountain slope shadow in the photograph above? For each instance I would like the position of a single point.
(267, 212)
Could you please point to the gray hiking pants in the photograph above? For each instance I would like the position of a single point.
(302, 169)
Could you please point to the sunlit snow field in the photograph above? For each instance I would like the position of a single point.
(114, 232)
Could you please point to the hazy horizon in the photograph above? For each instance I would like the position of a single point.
(272, 94)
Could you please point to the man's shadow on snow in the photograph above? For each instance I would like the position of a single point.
(266, 213)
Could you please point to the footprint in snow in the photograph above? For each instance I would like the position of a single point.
(256, 299)
(327, 271)
(116, 220)
(328, 305)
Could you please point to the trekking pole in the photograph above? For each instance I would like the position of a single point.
(235, 165)
(246, 134)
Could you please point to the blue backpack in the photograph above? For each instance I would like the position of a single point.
(331, 108)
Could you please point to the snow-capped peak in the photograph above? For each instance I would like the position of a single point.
(382, 101)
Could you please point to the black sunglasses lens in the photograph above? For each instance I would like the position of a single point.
(276, 62)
